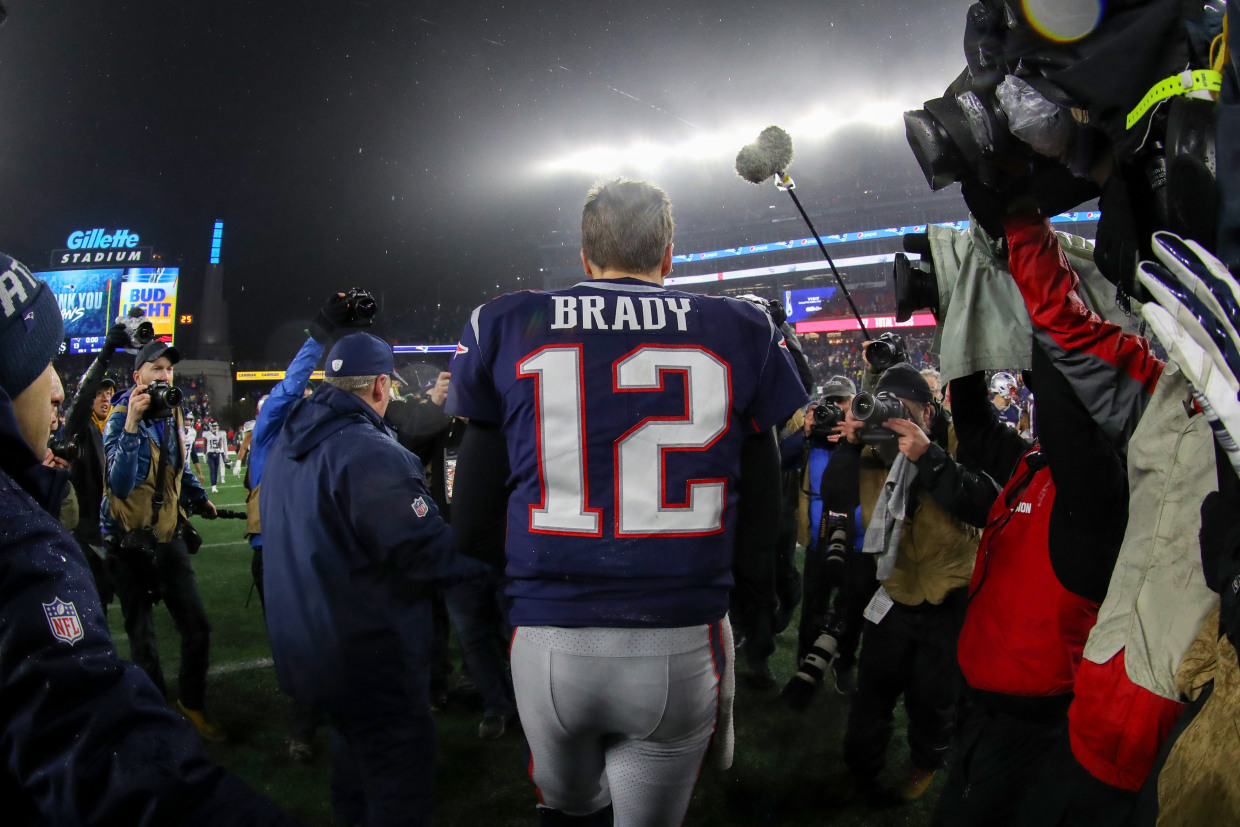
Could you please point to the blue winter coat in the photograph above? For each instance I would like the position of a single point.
(271, 418)
(85, 738)
(351, 540)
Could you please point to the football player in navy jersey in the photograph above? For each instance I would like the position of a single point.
(626, 432)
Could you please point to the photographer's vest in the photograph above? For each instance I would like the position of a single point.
(135, 510)
(1024, 632)
(936, 550)
(1158, 595)
(252, 524)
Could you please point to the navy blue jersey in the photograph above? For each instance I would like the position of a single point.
(624, 407)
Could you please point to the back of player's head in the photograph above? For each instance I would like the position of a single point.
(626, 226)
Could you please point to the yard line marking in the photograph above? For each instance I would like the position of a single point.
(240, 666)
(229, 543)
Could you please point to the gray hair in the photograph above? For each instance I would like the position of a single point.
(931, 373)
(352, 384)
(626, 226)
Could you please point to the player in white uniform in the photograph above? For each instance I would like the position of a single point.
(217, 450)
(189, 435)
(243, 450)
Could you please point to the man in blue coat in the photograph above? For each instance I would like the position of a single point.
(352, 542)
(85, 738)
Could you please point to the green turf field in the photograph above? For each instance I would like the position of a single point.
(783, 760)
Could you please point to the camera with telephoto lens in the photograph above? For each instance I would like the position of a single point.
(361, 307)
(826, 416)
(165, 399)
(834, 538)
(874, 410)
(799, 691)
(885, 351)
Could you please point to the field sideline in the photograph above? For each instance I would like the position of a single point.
(783, 760)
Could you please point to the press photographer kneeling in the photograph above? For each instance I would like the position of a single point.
(147, 484)
(920, 508)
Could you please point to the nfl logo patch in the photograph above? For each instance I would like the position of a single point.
(420, 508)
(63, 618)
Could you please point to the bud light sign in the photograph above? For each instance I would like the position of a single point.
(154, 291)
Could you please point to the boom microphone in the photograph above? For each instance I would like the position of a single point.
(768, 156)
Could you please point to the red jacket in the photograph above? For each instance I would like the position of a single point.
(1115, 726)
(1024, 632)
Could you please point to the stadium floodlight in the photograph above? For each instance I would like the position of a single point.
(645, 156)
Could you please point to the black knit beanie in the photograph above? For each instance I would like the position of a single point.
(905, 382)
(31, 328)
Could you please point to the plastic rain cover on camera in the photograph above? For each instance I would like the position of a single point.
(1037, 121)
(1193, 290)
(983, 321)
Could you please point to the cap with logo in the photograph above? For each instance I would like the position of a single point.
(839, 387)
(31, 327)
(153, 350)
(361, 354)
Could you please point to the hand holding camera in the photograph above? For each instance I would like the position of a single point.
(158, 400)
(354, 309)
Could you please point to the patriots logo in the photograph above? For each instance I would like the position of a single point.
(460, 348)
(783, 343)
(28, 320)
(420, 507)
(63, 619)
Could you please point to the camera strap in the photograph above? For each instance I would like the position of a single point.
(161, 469)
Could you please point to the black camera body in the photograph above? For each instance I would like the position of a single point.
(165, 399)
(885, 351)
(826, 416)
(69, 450)
(800, 689)
(361, 307)
(874, 410)
(136, 548)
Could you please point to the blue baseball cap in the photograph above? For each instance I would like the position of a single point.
(361, 354)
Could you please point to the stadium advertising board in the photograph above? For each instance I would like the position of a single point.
(98, 246)
(803, 304)
(154, 289)
(85, 298)
(871, 323)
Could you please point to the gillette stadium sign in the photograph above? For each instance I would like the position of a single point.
(98, 246)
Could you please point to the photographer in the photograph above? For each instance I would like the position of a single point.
(84, 424)
(1042, 570)
(921, 509)
(147, 482)
(84, 736)
(835, 584)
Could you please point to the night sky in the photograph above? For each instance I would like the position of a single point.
(411, 147)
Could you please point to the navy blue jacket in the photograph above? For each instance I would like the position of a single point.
(352, 538)
(85, 738)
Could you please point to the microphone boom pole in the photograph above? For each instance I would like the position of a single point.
(784, 182)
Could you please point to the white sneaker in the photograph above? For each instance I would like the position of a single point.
(214, 490)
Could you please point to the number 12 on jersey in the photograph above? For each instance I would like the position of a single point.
(639, 454)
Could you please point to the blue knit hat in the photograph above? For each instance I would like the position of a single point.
(31, 328)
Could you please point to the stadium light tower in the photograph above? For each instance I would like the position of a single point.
(213, 329)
